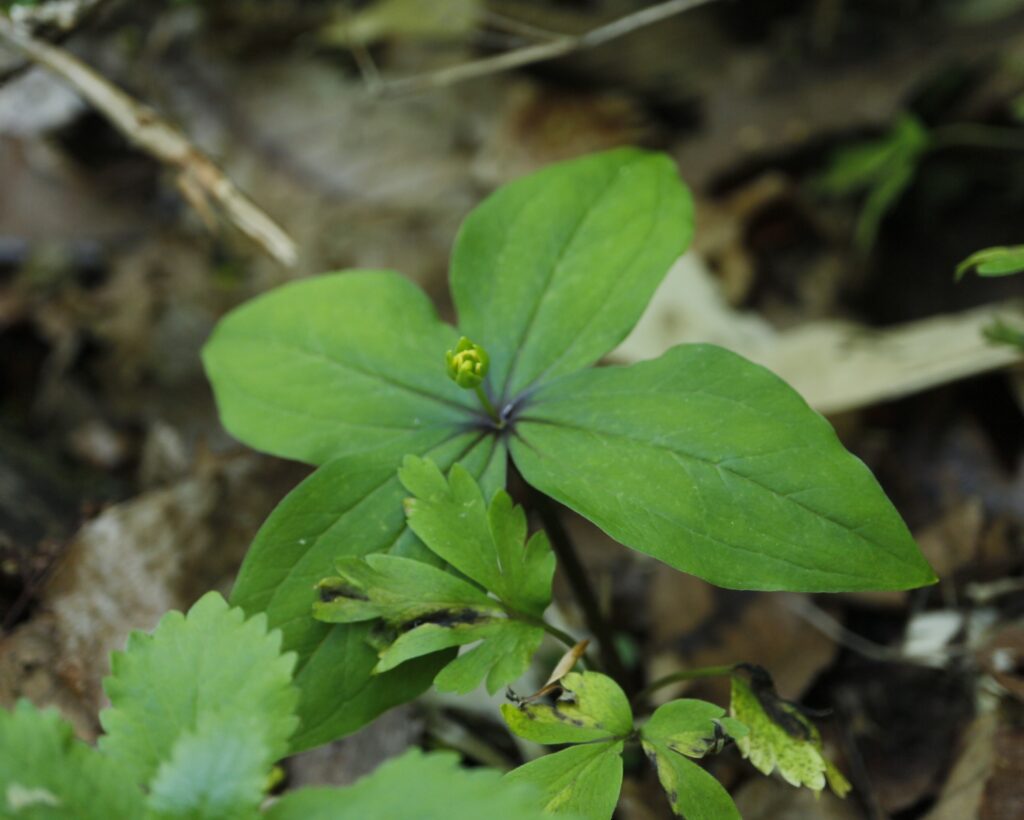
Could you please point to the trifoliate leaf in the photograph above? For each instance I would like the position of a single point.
(581, 780)
(209, 667)
(46, 773)
(779, 736)
(691, 728)
(592, 711)
(484, 543)
(216, 772)
(993, 262)
(427, 609)
(415, 785)
(349, 506)
(591, 707)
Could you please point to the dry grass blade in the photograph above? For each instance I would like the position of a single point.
(549, 50)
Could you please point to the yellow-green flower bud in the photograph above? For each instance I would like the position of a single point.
(467, 364)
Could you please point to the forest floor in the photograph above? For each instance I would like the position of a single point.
(121, 497)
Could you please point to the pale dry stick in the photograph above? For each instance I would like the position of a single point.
(200, 179)
(550, 50)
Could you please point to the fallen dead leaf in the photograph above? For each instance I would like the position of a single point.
(834, 365)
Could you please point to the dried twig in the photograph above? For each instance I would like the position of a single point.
(557, 47)
(200, 179)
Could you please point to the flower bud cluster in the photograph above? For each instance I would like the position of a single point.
(467, 364)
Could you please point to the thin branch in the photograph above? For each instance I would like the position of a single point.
(576, 574)
(550, 50)
(201, 180)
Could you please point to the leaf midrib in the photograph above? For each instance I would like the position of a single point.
(554, 269)
(318, 356)
(718, 466)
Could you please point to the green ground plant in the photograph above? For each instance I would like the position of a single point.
(403, 547)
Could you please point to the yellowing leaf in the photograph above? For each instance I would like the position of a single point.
(780, 736)
(592, 707)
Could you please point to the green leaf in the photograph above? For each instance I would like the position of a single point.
(1000, 332)
(504, 656)
(211, 666)
(993, 262)
(46, 773)
(591, 707)
(581, 780)
(691, 728)
(216, 772)
(715, 466)
(552, 271)
(883, 168)
(692, 792)
(484, 543)
(350, 506)
(427, 609)
(780, 736)
(337, 365)
(427, 787)
(400, 591)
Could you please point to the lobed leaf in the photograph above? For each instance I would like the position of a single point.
(592, 707)
(780, 736)
(402, 592)
(484, 543)
(690, 728)
(208, 668)
(46, 773)
(553, 270)
(715, 466)
(337, 365)
(428, 609)
(581, 780)
(692, 792)
(349, 506)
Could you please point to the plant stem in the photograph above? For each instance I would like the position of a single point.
(686, 674)
(558, 634)
(581, 588)
(486, 402)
